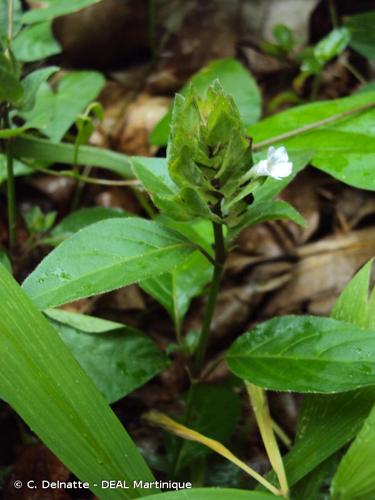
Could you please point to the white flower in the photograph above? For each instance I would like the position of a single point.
(277, 164)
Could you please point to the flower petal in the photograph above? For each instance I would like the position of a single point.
(260, 169)
(281, 170)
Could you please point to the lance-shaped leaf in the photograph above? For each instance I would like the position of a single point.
(117, 358)
(175, 290)
(344, 148)
(212, 494)
(305, 354)
(46, 386)
(355, 475)
(236, 81)
(105, 256)
(267, 210)
(328, 422)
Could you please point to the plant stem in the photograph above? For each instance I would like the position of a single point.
(220, 258)
(259, 403)
(10, 19)
(333, 13)
(219, 262)
(83, 178)
(354, 71)
(312, 126)
(11, 198)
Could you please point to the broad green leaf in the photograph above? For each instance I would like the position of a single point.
(81, 218)
(361, 27)
(267, 210)
(11, 89)
(105, 256)
(215, 414)
(45, 385)
(154, 176)
(305, 354)
(35, 42)
(344, 149)
(116, 357)
(236, 81)
(212, 494)
(31, 84)
(45, 151)
(60, 109)
(55, 8)
(355, 475)
(327, 423)
(175, 290)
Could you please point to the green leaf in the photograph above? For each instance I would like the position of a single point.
(362, 33)
(55, 8)
(60, 109)
(212, 494)
(44, 384)
(344, 149)
(236, 81)
(31, 84)
(354, 478)
(355, 474)
(216, 412)
(79, 219)
(105, 256)
(154, 176)
(327, 423)
(46, 151)
(35, 42)
(38, 221)
(175, 290)
(305, 354)
(267, 210)
(11, 89)
(284, 37)
(116, 357)
(329, 47)
(353, 305)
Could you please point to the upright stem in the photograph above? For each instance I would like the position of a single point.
(220, 258)
(11, 199)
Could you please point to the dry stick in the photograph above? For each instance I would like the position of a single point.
(312, 126)
(161, 420)
(259, 403)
